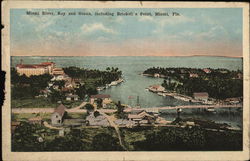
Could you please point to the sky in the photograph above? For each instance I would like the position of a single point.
(204, 31)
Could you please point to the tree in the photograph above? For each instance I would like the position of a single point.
(60, 83)
(55, 96)
(99, 103)
(25, 137)
(73, 141)
(105, 142)
(120, 108)
(81, 92)
(96, 113)
(89, 107)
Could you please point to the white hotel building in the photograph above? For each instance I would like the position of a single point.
(35, 69)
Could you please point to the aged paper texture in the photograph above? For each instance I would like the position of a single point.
(125, 81)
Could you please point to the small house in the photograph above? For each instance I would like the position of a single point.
(124, 122)
(104, 97)
(142, 118)
(72, 97)
(234, 100)
(201, 96)
(156, 88)
(193, 75)
(206, 70)
(58, 115)
(97, 121)
(58, 71)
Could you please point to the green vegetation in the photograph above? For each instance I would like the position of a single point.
(33, 103)
(96, 77)
(219, 83)
(119, 113)
(25, 138)
(89, 107)
(26, 90)
(172, 138)
(26, 116)
(27, 87)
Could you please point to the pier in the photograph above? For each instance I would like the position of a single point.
(156, 109)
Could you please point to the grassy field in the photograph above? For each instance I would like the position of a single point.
(32, 103)
(45, 116)
(26, 116)
(40, 103)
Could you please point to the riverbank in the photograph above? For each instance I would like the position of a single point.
(113, 83)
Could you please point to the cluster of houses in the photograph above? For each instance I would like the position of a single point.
(192, 73)
(202, 97)
(58, 75)
(134, 118)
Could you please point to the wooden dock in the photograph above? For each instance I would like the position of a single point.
(157, 109)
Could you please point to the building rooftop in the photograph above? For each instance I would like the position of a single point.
(100, 96)
(42, 65)
(60, 109)
(201, 94)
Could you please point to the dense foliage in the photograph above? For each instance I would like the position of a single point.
(26, 138)
(27, 87)
(195, 138)
(219, 83)
(103, 77)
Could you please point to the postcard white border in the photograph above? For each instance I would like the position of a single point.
(223, 155)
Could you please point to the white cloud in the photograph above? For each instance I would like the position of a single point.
(172, 20)
(89, 28)
(119, 20)
(145, 18)
(212, 33)
(41, 22)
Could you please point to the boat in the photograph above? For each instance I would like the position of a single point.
(210, 109)
(100, 88)
(114, 83)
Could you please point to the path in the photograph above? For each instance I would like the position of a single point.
(111, 120)
(150, 109)
(46, 124)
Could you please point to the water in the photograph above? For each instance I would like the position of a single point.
(131, 67)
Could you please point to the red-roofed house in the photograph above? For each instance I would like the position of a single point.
(206, 70)
(156, 88)
(201, 96)
(193, 75)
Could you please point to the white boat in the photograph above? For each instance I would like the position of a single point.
(211, 109)
(100, 88)
(114, 83)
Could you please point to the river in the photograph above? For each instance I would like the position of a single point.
(132, 90)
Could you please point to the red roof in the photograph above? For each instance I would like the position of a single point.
(47, 63)
(60, 109)
(155, 86)
(42, 65)
(100, 96)
(31, 66)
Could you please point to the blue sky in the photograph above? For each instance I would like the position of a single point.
(210, 31)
